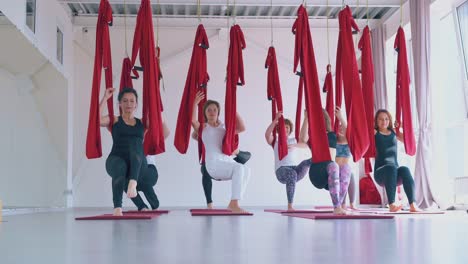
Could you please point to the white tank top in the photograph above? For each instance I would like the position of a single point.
(294, 157)
(213, 140)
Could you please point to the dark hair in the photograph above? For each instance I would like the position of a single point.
(385, 111)
(208, 103)
(126, 91)
(290, 124)
(327, 120)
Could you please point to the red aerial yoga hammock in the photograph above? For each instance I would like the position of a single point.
(304, 53)
(125, 76)
(274, 94)
(197, 79)
(403, 105)
(235, 73)
(347, 74)
(367, 79)
(328, 88)
(102, 59)
(143, 43)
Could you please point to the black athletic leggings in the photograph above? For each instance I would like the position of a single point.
(390, 176)
(147, 176)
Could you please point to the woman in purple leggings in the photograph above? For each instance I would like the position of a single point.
(291, 168)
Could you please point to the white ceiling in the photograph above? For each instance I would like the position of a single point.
(253, 12)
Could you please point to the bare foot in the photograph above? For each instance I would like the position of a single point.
(209, 206)
(118, 211)
(145, 209)
(395, 208)
(339, 211)
(131, 190)
(235, 208)
(413, 208)
(352, 207)
(290, 207)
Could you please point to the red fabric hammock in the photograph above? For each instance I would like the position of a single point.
(197, 79)
(328, 88)
(102, 59)
(274, 94)
(356, 133)
(143, 43)
(367, 79)
(300, 94)
(403, 105)
(125, 76)
(235, 73)
(304, 54)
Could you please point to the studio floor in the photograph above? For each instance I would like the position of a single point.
(54, 236)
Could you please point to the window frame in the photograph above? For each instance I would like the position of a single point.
(59, 45)
(34, 16)
(461, 50)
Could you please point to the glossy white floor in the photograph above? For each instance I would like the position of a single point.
(55, 237)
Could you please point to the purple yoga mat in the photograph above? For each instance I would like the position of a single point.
(333, 216)
(307, 211)
(113, 217)
(216, 213)
(209, 210)
(147, 212)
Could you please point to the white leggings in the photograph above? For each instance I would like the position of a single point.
(230, 170)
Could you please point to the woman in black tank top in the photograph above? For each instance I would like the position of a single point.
(126, 163)
(387, 171)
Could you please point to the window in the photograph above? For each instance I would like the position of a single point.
(462, 21)
(59, 45)
(462, 13)
(31, 14)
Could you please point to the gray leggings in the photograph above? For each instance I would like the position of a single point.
(289, 175)
(352, 190)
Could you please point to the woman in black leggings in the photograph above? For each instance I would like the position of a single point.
(126, 163)
(387, 171)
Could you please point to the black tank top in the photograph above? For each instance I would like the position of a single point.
(127, 138)
(386, 146)
(331, 139)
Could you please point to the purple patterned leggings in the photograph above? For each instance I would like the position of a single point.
(289, 175)
(338, 182)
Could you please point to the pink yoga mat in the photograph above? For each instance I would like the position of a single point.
(323, 207)
(333, 216)
(405, 212)
(209, 210)
(113, 217)
(216, 213)
(147, 212)
(308, 211)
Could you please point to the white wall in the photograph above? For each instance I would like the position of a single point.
(180, 179)
(33, 56)
(33, 171)
(49, 15)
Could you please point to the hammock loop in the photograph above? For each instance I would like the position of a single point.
(328, 33)
(271, 21)
(125, 28)
(199, 11)
(401, 12)
(367, 11)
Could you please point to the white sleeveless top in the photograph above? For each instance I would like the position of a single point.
(294, 157)
(213, 140)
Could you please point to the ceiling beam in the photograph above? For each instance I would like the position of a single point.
(335, 3)
(216, 22)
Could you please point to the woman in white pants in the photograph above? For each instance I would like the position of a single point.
(219, 165)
